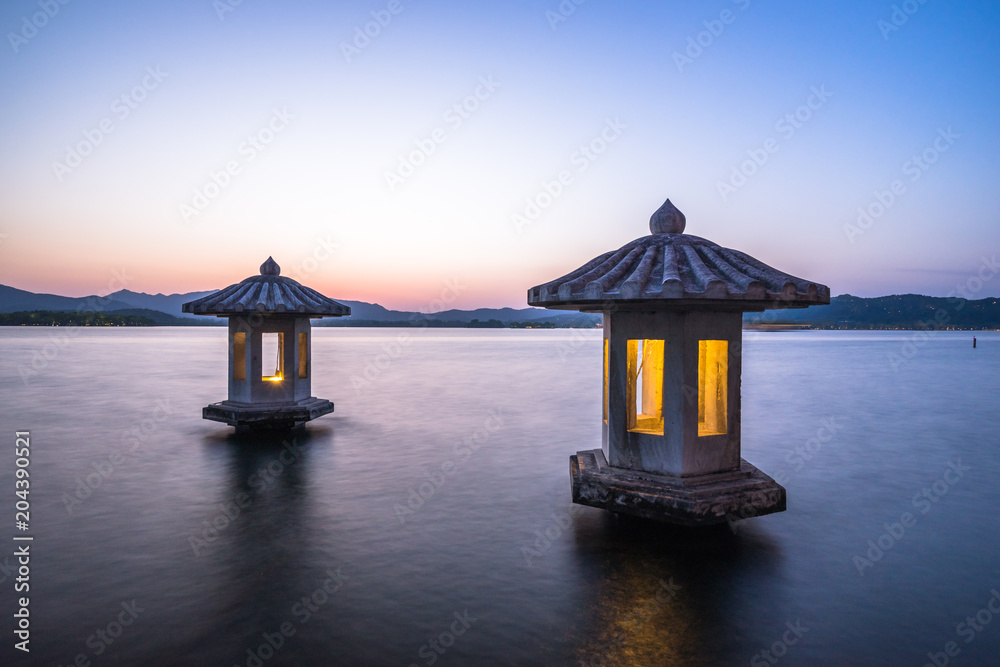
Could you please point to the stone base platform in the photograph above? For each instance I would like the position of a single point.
(685, 501)
(282, 415)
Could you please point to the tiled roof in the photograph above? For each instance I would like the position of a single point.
(267, 293)
(669, 270)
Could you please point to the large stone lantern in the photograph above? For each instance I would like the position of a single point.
(673, 306)
(270, 349)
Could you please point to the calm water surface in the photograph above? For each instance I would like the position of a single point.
(498, 543)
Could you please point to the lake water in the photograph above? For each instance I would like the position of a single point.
(496, 566)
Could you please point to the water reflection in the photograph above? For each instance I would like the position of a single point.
(463, 548)
(659, 593)
(258, 536)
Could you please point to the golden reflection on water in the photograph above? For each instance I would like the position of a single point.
(642, 620)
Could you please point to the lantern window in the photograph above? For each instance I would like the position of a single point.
(303, 356)
(713, 387)
(272, 357)
(645, 386)
(239, 356)
(606, 368)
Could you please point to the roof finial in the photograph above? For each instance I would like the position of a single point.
(270, 268)
(667, 220)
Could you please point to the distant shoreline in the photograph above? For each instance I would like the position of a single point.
(905, 312)
(402, 325)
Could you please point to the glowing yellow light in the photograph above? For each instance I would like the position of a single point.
(713, 385)
(303, 356)
(273, 343)
(645, 386)
(606, 380)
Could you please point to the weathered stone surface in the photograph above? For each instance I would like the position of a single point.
(242, 414)
(686, 501)
(667, 220)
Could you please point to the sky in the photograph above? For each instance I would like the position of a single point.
(407, 151)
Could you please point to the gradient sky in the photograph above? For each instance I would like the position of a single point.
(319, 188)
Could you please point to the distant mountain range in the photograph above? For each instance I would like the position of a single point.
(906, 311)
(901, 311)
(165, 309)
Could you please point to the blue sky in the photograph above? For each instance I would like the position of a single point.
(771, 125)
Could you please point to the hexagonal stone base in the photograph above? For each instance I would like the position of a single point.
(284, 415)
(686, 501)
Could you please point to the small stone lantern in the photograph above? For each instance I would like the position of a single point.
(673, 325)
(270, 349)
